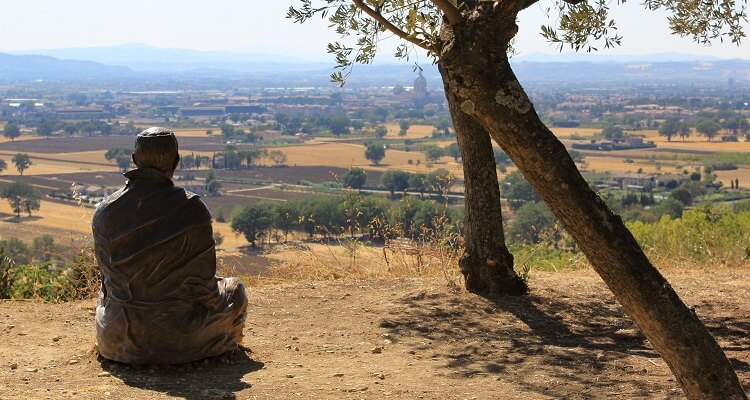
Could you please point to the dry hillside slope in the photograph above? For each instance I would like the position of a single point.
(406, 339)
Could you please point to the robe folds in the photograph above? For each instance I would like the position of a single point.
(161, 301)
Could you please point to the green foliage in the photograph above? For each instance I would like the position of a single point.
(517, 190)
(531, 223)
(253, 221)
(380, 131)
(375, 152)
(3, 165)
(713, 234)
(21, 197)
(22, 162)
(355, 178)
(432, 152)
(121, 156)
(11, 131)
(682, 195)
(707, 127)
(395, 181)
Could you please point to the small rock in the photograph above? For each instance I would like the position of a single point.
(73, 361)
(376, 350)
(22, 333)
(13, 365)
(387, 341)
(380, 376)
(338, 375)
(290, 375)
(103, 374)
(107, 393)
(288, 347)
(295, 338)
(11, 327)
(32, 369)
(56, 338)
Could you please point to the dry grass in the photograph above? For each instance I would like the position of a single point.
(567, 132)
(353, 260)
(743, 174)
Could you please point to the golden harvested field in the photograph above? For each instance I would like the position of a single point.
(567, 132)
(60, 163)
(618, 165)
(24, 136)
(195, 132)
(347, 155)
(70, 219)
(743, 174)
(699, 144)
(414, 131)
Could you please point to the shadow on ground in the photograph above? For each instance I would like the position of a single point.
(214, 378)
(563, 344)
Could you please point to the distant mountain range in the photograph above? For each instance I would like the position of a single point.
(143, 62)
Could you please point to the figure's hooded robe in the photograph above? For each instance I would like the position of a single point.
(161, 302)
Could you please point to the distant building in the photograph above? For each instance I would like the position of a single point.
(634, 181)
(420, 86)
(195, 186)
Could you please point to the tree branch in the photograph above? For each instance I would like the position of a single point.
(388, 25)
(449, 10)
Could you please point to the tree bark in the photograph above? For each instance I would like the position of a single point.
(477, 72)
(486, 263)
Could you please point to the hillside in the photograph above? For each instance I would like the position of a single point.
(405, 339)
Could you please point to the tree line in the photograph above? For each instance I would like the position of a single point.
(351, 214)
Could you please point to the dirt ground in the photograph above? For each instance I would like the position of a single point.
(406, 339)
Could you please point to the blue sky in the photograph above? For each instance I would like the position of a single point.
(260, 27)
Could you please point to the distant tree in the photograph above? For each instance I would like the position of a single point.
(21, 197)
(121, 156)
(518, 191)
(212, 185)
(277, 157)
(432, 152)
(339, 125)
(707, 127)
(380, 131)
(530, 223)
(394, 181)
(444, 124)
(44, 247)
(404, 125)
(252, 221)
(15, 250)
(684, 130)
(11, 131)
(187, 161)
(612, 132)
(375, 152)
(671, 207)
(45, 128)
(209, 132)
(419, 182)
(682, 195)
(3, 165)
(453, 151)
(218, 239)
(670, 127)
(22, 162)
(355, 178)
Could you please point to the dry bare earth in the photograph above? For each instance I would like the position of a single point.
(390, 339)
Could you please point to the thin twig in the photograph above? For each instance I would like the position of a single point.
(389, 26)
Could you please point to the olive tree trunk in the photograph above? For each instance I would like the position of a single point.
(486, 263)
(477, 72)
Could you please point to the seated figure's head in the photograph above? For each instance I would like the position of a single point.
(156, 148)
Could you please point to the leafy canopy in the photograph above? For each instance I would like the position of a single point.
(580, 24)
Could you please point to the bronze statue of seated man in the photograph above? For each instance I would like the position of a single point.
(161, 301)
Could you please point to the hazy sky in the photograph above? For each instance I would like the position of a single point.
(259, 26)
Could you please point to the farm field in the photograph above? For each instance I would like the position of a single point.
(414, 131)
